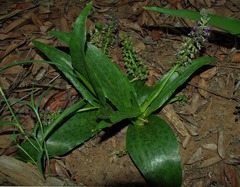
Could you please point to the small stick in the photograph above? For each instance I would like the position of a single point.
(215, 93)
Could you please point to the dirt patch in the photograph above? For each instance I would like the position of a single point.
(97, 162)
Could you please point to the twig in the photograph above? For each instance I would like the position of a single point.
(217, 94)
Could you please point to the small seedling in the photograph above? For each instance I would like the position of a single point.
(121, 153)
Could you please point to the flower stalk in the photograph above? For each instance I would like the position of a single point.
(188, 49)
(193, 44)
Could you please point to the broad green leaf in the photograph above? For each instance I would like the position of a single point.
(155, 151)
(63, 63)
(228, 24)
(103, 124)
(78, 49)
(115, 85)
(64, 36)
(54, 54)
(128, 113)
(116, 117)
(29, 149)
(67, 112)
(78, 42)
(142, 91)
(176, 80)
(97, 86)
(69, 134)
(72, 133)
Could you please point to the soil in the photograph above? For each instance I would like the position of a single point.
(207, 125)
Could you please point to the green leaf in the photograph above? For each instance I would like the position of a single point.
(29, 149)
(72, 133)
(103, 124)
(116, 117)
(176, 80)
(154, 149)
(105, 77)
(64, 36)
(63, 63)
(41, 162)
(54, 54)
(115, 85)
(228, 24)
(78, 49)
(142, 91)
(67, 112)
(78, 42)
(128, 113)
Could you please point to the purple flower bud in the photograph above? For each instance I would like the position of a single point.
(199, 34)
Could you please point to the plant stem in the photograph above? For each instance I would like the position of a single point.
(107, 42)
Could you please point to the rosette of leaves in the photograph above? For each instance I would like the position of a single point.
(104, 37)
(108, 98)
(134, 65)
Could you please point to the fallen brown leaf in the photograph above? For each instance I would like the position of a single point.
(18, 22)
(37, 21)
(221, 150)
(4, 83)
(24, 5)
(10, 35)
(64, 25)
(208, 74)
(11, 47)
(210, 162)
(155, 34)
(131, 25)
(175, 120)
(203, 84)
(11, 14)
(236, 58)
(230, 177)
(197, 156)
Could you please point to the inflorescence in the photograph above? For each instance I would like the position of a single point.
(134, 65)
(193, 44)
(105, 36)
